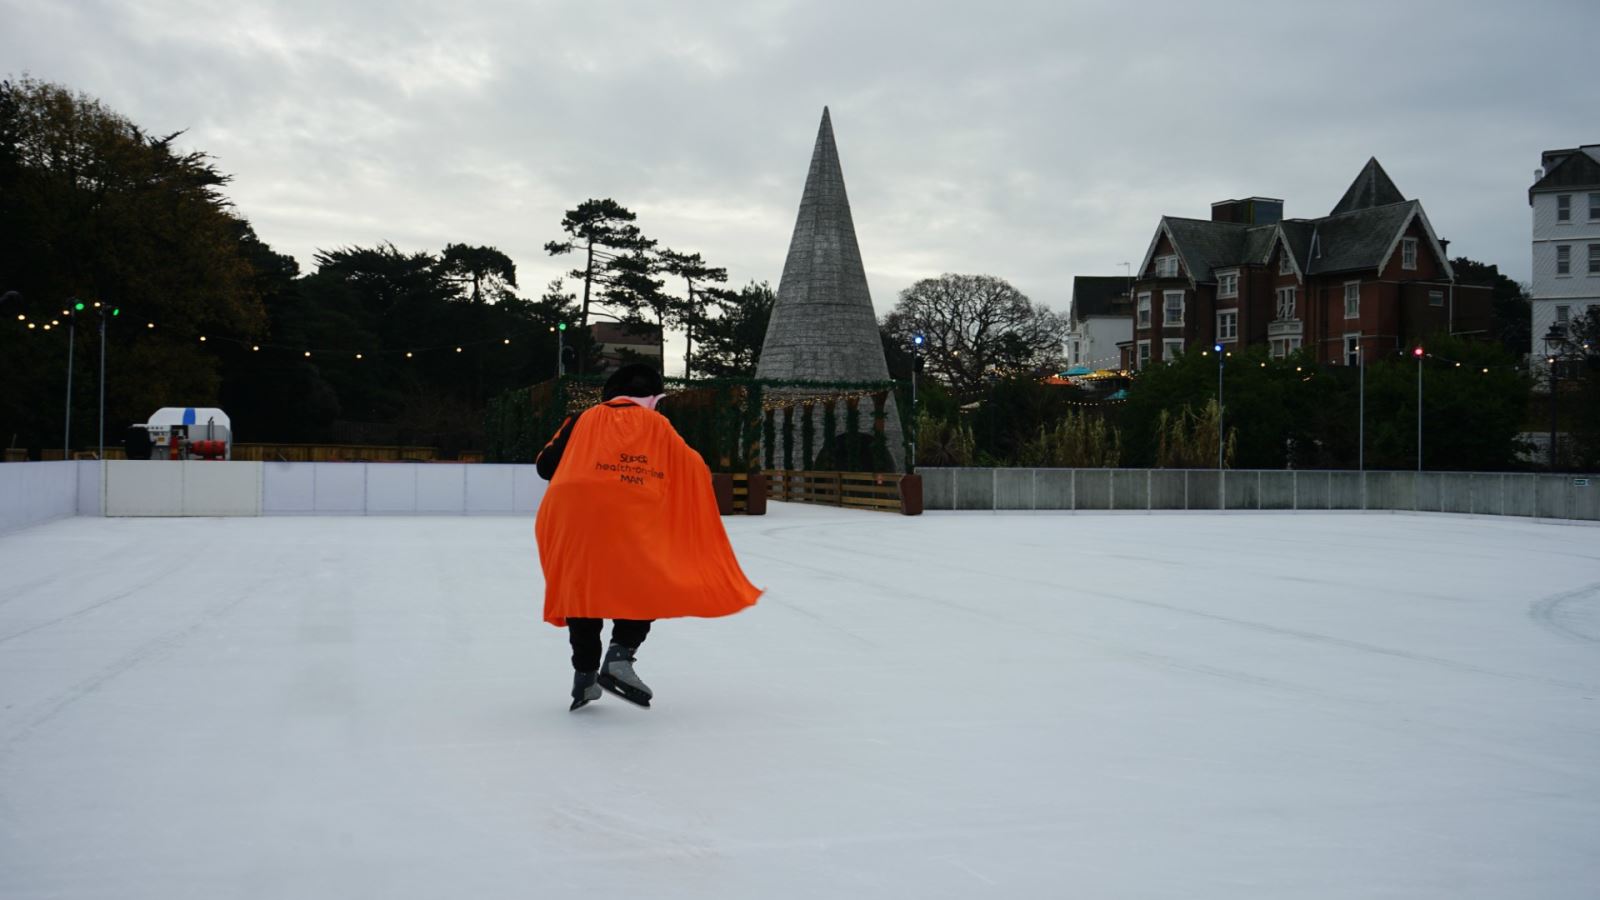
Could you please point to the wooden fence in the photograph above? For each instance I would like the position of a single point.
(884, 491)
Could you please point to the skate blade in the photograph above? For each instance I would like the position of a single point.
(625, 692)
(580, 703)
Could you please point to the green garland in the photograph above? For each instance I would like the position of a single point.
(808, 432)
(852, 427)
(788, 438)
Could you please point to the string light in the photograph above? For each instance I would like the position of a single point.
(308, 354)
(151, 325)
(458, 349)
(31, 326)
(358, 356)
(202, 339)
(254, 348)
(408, 354)
(508, 342)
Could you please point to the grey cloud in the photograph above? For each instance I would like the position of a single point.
(1036, 141)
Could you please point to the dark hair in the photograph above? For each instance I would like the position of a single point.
(633, 380)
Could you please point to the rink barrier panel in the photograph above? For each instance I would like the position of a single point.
(246, 488)
(1525, 494)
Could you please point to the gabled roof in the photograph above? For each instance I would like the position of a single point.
(1371, 188)
(1096, 295)
(1205, 246)
(1360, 239)
(1359, 235)
(1577, 169)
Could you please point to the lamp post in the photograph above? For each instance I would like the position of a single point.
(71, 313)
(561, 348)
(1361, 407)
(916, 367)
(1418, 353)
(1220, 431)
(1554, 339)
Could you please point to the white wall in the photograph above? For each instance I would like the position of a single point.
(399, 489)
(32, 493)
(189, 488)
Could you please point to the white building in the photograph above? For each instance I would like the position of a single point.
(1566, 240)
(1102, 318)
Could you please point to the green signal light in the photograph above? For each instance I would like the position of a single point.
(562, 326)
(78, 306)
(116, 310)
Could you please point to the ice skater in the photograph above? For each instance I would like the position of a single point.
(629, 531)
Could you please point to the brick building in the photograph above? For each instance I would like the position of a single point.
(1371, 277)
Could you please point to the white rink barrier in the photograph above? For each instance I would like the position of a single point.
(1530, 494)
(195, 488)
(34, 493)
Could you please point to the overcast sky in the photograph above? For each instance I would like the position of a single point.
(1034, 141)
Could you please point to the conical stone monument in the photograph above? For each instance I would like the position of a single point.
(823, 327)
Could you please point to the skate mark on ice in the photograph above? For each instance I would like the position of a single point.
(1574, 614)
(85, 610)
(151, 649)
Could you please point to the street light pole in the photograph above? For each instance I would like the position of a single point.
(1418, 354)
(1553, 340)
(66, 435)
(1361, 406)
(1220, 430)
(102, 384)
(916, 363)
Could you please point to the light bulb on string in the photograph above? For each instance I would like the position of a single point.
(408, 354)
(255, 348)
(508, 341)
(358, 356)
(458, 349)
(151, 325)
(31, 326)
(47, 328)
(202, 339)
(308, 354)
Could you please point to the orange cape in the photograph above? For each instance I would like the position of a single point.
(629, 528)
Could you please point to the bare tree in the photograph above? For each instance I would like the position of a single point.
(976, 328)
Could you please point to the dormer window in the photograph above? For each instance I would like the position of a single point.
(1408, 253)
(1228, 284)
(1285, 262)
(1166, 267)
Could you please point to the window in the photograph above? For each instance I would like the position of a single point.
(1563, 207)
(1563, 259)
(1408, 253)
(1282, 347)
(1144, 354)
(1075, 359)
(1171, 350)
(1352, 299)
(1228, 284)
(1286, 303)
(1166, 267)
(1436, 298)
(1594, 206)
(1144, 310)
(1228, 325)
(1285, 262)
(1563, 314)
(1172, 314)
(1352, 349)
(1594, 259)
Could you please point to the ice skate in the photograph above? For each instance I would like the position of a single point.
(584, 689)
(618, 677)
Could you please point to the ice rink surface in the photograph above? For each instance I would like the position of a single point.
(1129, 706)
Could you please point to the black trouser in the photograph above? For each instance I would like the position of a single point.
(585, 637)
